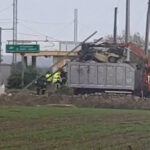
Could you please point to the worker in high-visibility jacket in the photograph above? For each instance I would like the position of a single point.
(57, 79)
(49, 77)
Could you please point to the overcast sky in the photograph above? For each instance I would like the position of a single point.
(54, 18)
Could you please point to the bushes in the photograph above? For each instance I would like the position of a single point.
(14, 80)
(30, 74)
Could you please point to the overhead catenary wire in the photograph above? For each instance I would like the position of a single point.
(62, 30)
(36, 35)
(28, 34)
(52, 39)
(33, 30)
(40, 22)
(6, 8)
(5, 19)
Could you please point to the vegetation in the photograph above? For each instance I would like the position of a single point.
(135, 38)
(14, 81)
(46, 128)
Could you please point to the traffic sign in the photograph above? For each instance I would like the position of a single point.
(20, 48)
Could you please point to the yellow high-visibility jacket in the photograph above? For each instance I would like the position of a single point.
(49, 77)
(56, 77)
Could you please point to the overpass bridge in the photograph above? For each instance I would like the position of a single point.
(57, 56)
(55, 53)
(60, 50)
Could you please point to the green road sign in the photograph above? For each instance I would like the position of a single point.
(22, 48)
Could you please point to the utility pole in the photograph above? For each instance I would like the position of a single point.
(115, 25)
(147, 29)
(127, 28)
(15, 20)
(75, 25)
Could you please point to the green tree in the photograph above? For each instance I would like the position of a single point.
(14, 80)
(30, 74)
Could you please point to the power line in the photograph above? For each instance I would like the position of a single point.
(40, 34)
(63, 28)
(6, 19)
(2, 10)
(33, 35)
(37, 32)
(39, 22)
(28, 34)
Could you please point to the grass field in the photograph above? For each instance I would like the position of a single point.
(49, 128)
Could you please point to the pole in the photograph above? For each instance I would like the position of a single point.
(115, 25)
(127, 31)
(15, 3)
(22, 71)
(75, 25)
(13, 59)
(147, 29)
(0, 45)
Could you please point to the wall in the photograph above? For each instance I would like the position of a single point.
(5, 70)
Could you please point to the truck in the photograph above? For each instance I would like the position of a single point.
(128, 73)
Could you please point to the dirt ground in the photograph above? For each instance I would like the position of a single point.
(95, 101)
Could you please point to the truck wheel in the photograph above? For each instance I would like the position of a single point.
(112, 59)
(76, 91)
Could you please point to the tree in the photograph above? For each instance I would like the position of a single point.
(14, 80)
(138, 39)
(135, 38)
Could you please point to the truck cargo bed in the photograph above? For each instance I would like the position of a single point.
(91, 75)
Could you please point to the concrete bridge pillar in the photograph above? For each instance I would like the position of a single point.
(34, 61)
(25, 61)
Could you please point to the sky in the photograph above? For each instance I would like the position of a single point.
(38, 19)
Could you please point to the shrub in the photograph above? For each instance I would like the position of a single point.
(14, 80)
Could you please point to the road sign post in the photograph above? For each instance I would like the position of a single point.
(22, 70)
